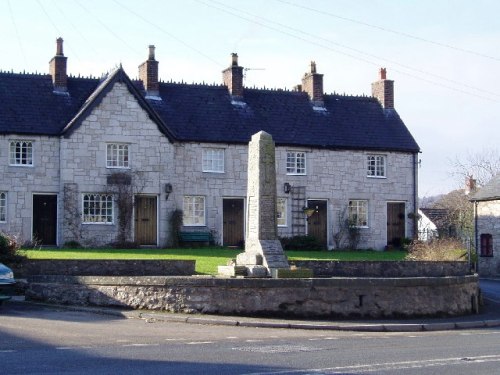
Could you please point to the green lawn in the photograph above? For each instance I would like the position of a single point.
(207, 259)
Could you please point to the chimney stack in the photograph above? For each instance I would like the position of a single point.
(383, 90)
(312, 83)
(232, 77)
(57, 68)
(470, 185)
(148, 74)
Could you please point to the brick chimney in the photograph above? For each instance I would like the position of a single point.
(470, 185)
(232, 77)
(148, 74)
(383, 90)
(312, 83)
(57, 68)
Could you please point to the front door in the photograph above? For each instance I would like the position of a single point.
(233, 216)
(145, 220)
(45, 219)
(317, 222)
(395, 223)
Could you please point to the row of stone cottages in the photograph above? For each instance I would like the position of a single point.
(76, 152)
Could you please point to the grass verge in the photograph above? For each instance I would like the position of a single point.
(207, 258)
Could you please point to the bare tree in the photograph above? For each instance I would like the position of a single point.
(481, 165)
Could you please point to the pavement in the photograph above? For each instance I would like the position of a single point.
(488, 316)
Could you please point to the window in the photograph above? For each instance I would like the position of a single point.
(296, 163)
(117, 155)
(376, 166)
(21, 153)
(98, 208)
(194, 211)
(358, 213)
(213, 160)
(486, 245)
(281, 212)
(3, 207)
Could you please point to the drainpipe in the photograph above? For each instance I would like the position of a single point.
(476, 241)
(415, 197)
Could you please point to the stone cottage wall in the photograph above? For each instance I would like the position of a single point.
(488, 221)
(333, 176)
(117, 119)
(21, 182)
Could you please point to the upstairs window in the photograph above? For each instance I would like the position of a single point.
(117, 155)
(194, 211)
(98, 208)
(296, 163)
(281, 212)
(358, 213)
(213, 160)
(376, 166)
(486, 245)
(21, 153)
(3, 207)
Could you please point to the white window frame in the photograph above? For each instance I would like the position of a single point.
(281, 212)
(296, 163)
(193, 207)
(358, 212)
(21, 153)
(3, 207)
(117, 155)
(213, 160)
(97, 208)
(376, 166)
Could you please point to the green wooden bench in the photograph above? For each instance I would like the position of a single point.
(195, 237)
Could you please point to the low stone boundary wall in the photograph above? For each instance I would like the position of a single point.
(320, 298)
(100, 267)
(385, 269)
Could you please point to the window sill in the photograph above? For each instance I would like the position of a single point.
(378, 177)
(22, 165)
(218, 172)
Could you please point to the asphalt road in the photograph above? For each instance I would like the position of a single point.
(40, 340)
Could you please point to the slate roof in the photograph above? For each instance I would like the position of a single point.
(207, 113)
(489, 192)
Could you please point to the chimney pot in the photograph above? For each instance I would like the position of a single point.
(234, 59)
(151, 52)
(59, 48)
(383, 73)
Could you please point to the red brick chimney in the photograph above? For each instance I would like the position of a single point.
(312, 83)
(470, 185)
(232, 77)
(148, 74)
(383, 90)
(57, 68)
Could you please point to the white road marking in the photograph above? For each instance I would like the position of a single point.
(128, 345)
(199, 342)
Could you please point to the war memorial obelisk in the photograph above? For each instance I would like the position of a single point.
(263, 251)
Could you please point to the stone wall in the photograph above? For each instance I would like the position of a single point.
(385, 269)
(103, 267)
(320, 298)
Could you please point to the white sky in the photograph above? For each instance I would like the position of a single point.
(442, 54)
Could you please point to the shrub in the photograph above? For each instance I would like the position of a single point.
(440, 249)
(9, 245)
(301, 243)
(73, 244)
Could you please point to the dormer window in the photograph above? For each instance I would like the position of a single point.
(21, 153)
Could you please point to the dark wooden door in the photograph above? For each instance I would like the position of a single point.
(233, 216)
(145, 220)
(317, 222)
(395, 223)
(45, 219)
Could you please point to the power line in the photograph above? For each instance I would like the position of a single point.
(178, 40)
(449, 46)
(315, 42)
(19, 42)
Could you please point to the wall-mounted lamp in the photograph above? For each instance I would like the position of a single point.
(168, 190)
(287, 188)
